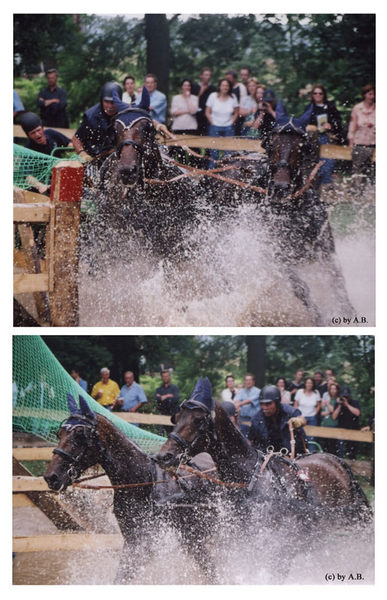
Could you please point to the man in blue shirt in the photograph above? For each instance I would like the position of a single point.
(247, 403)
(132, 396)
(158, 100)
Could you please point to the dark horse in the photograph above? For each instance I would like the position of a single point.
(142, 194)
(86, 439)
(315, 482)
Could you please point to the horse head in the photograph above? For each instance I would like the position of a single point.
(79, 446)
(194, 427)
(287, 146)
(138, 154)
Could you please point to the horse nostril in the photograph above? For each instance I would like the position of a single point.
(52, 480)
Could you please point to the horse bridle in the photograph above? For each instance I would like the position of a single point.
(87, 424)
(143, 116)
(206, 430)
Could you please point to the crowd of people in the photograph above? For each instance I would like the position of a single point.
(237, 105)
(261, 415)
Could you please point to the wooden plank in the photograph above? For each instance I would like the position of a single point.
(19, 133)
(337, 433)
(24, 283)
(219, 143)
(42, 413)
(76, 541)
(42, 453)
(144, 418)
(22, 483)
(33, 266)
(31, 213)
(28, 197)
(22, 501)
(48, 503)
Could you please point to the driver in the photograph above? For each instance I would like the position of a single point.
(269, 426)
(96, 134)
(39, 139)
(95, 137)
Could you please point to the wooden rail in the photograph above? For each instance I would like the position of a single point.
(229, 143)
(61, 542)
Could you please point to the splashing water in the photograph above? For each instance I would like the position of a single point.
(258, 552)
(230, 277)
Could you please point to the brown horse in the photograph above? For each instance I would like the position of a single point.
(321, 482)
(140, 505)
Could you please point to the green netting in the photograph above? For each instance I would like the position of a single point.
(28, 162)
(40, 388)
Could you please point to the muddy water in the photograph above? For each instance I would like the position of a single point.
(260, 555)
(231, 279)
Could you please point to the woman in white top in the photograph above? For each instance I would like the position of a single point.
(221, 112)
(183, 110)
(129, 94)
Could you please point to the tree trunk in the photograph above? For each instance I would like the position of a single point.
(256, 357)
(157, 49)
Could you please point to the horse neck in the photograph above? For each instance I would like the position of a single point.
(230, 450)
(121, 459)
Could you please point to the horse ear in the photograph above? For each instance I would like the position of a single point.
(304, 120)
(145, 99)
(85, 409)
(198, 386)
(280, 112)
(72, 404)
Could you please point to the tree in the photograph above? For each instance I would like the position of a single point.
(256, 357)
(157, 49)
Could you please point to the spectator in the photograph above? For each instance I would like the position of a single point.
(362, 137)
(131, 395)
(328, 402)
(129, 94)
(248, 107)
(321, 385)
(52, 102)
(221, 112)
(202, 90)
(105, 391)
(326, 122)
(167, 399)
(329, 375)
(265, 115)
(76, 376)
(183, 110)
(296, 384)
(229, 393)
(158, 100)
(245, 75)
(247, 403)
(96, 136)
(239, 90)
(308, 400)
(285, 394)
(270, 425)
(347, 412)
(17, 104)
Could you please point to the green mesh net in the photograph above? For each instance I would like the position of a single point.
(28, 162)
(39, 394)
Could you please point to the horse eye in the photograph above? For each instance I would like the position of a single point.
(79, 435)
(198, 420)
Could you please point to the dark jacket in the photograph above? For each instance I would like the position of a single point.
(53, 115)
(170, 406)
(333, 116)
(96, 131)
(264, 432)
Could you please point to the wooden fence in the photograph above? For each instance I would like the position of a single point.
(46, 279)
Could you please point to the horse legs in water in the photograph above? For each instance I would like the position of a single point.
(301, 291)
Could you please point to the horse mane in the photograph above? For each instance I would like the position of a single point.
(109, 430)
(228, 434)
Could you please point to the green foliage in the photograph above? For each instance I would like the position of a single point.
(287, 52)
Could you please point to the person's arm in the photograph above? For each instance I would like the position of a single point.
(353, 409)
(159, 105)
(353, 125)
(235, 114)
(208, 114)
(336, 410)
(79, 149)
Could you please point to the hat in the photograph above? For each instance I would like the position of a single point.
(29, 121)
(270, 393)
